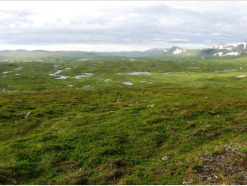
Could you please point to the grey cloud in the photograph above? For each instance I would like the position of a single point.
(156, 10)
(194, 28)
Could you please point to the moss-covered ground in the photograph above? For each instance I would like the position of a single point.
(107, 133)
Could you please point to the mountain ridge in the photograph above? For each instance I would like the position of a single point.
(230, 46)
(175, 52)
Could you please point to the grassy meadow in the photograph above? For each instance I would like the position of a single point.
(76, 122)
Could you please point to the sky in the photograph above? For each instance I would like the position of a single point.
(120, 25)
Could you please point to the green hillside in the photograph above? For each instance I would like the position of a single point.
(184, 55)
(76, 122)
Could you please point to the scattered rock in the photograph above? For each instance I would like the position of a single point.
(153, 105)
(19, 114)
(219, 150)
(14, 182)
(193, 133)
(27, 114)
(222, 166)
(186, 182)
(239, 153)
(214, 135)
(165, 158)
(119, 99)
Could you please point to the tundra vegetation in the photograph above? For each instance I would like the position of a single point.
(75, 121)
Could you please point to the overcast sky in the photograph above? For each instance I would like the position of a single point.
(120, 25)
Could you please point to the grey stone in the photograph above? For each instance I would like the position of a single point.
(186, 182)
(27, 114)
(14, 182)
(153, 105)
(165, 158)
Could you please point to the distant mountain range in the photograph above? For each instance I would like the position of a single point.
(231, 46)
(218, 50)
(228, 49)
(18, 50)
(150, 52)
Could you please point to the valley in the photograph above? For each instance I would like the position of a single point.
(176, 117)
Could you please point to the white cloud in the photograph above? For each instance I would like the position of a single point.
(80, 47)
(171, 21)
(126, 23)
(176, 39)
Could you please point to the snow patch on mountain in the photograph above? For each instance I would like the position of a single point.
(220, 53)
(227, 54)
(232, 54)
(230, 46)
(177, 51)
